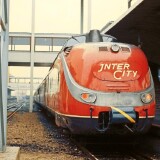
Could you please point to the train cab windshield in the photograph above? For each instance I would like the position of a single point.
(92, 36)
(75, 40)
(89, 38)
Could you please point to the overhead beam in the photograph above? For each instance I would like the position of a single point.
(26, 64)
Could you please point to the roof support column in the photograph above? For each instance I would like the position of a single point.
(3, 72)
(129, 3)
(89, 15)
(82, 16)
(32, 56)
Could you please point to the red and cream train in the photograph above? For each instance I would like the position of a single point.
(98, 85)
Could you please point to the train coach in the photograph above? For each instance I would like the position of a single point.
(97, 85)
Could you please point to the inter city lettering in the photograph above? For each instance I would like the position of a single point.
(120, 70)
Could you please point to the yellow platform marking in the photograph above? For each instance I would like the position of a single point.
(124, 114)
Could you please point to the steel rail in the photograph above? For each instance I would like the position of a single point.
(84, 150)
(104, 153)
(141, 156)
(13, 105)
(17, 109)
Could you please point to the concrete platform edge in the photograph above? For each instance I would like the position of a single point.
(11, 153)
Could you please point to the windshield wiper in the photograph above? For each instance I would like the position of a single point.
(75, 39)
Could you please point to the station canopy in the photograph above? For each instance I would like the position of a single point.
(140, 25)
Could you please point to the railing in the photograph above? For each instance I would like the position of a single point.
(43, 42)
(23, 83)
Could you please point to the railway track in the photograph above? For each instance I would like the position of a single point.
(105, 151)
(111, 155)
(11, 106)
(113, 147)
(15, 108)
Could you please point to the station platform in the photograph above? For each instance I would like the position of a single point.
(12, 153)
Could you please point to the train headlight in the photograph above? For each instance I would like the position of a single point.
(88, 97)
(146, 97)
(115, 48)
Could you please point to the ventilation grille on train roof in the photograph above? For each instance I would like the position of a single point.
(103, 49)
(125, 49)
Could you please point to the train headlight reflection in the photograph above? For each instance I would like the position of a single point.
(88, 97)
(146, 97)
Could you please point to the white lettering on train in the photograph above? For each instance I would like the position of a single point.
(120, 70)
